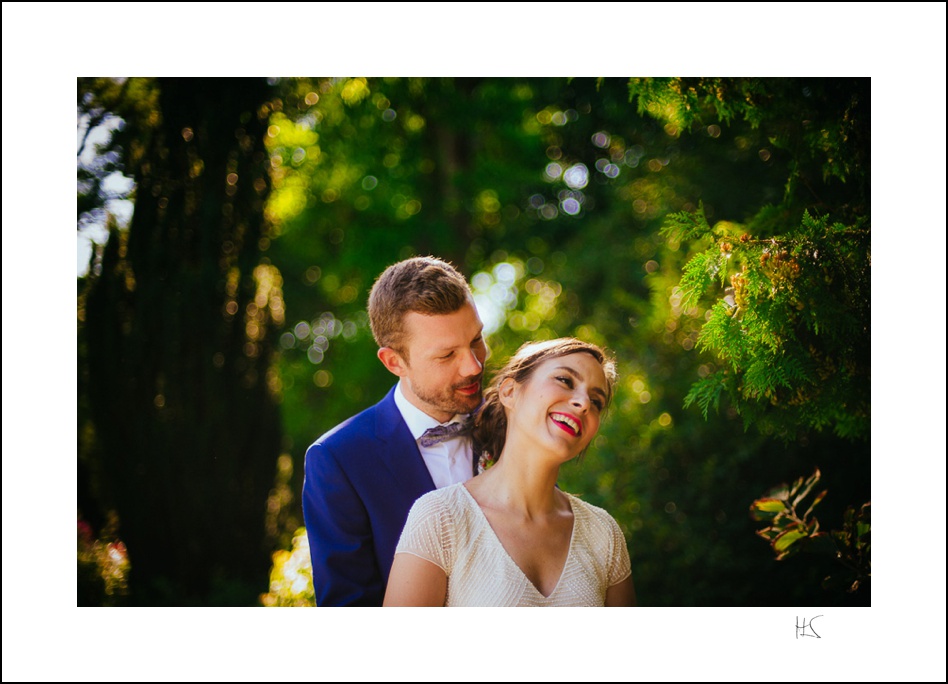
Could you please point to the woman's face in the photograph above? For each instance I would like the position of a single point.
(560, 405)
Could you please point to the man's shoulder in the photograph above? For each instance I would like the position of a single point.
(359, 424)
(360, 427)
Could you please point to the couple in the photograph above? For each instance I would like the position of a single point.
(395, 511)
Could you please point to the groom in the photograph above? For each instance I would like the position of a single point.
(362, 476)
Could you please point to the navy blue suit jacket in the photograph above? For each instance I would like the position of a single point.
(360, 480)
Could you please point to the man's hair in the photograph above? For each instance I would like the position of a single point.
(425, 285)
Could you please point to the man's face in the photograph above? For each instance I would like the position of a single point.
(445, 362)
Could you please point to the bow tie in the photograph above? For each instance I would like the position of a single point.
(441, 433)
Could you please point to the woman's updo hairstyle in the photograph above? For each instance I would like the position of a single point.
(490, 422)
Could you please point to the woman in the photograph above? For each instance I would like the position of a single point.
(510, 537)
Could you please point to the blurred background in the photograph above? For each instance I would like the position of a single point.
(713, 233)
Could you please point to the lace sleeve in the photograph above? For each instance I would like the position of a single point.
(427, 532)
(620, 567)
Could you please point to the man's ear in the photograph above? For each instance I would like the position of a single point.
(392, 360)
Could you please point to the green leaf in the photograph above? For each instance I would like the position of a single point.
(767, 509)
(706, 392)
(788, 537)
(686, 225)
(697, 276)
(808, 486)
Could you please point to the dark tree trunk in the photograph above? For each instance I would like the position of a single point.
(179, 349)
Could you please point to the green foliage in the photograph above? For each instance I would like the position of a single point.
(789, 532)
(823, 123)
(703, 269)
(685, 225)
(684, 102)
(707, 392)
(793, 327)
(798, 278)
(854, 549)
(788, 320)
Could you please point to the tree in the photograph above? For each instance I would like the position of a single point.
(176, 336)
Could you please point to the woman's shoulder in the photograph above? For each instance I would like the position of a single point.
(446, 497)
(436, 522)
(591, 512)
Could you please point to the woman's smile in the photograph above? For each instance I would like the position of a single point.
(567, 423)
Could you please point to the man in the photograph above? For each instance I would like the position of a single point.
(362, 477)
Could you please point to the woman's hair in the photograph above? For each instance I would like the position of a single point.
(490, 423)
(426, 285)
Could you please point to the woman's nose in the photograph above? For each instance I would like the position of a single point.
(580, 401)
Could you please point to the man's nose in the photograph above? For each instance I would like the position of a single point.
(472, 365)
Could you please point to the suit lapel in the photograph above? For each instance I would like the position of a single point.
(401, 455)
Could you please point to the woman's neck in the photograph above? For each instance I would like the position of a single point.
(523, 480)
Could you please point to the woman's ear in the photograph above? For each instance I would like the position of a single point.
(507, 391)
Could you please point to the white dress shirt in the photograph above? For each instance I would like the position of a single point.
(448, 462)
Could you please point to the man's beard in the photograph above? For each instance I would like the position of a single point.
(448, 400)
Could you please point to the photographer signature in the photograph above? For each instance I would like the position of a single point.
(802, 628)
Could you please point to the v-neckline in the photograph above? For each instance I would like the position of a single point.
(569, 550)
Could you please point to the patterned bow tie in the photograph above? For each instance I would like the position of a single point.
(441, 433)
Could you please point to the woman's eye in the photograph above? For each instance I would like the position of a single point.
(566, 381)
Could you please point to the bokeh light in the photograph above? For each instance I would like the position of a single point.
(548, 212)
(576, 176)
(571, 206)
(601, 139)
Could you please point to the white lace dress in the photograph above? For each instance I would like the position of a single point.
(448, 528)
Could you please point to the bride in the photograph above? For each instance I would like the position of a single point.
(510, 536)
